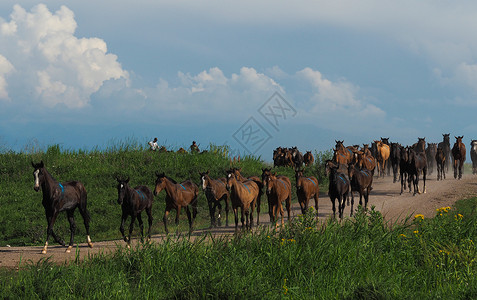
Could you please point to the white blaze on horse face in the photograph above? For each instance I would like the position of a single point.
(203, 182)
(122, 186)
(37, 178)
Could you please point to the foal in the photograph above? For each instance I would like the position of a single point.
(278, 191)
(133, 202)
(215, 191)
(58, 197)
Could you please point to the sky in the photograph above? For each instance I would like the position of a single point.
(253, 75)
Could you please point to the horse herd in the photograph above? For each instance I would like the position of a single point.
(351, 170)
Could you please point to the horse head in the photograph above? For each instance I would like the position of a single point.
(160, 183)
(38, 174)
(122, 187)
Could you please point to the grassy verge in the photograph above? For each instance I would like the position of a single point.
(361, 258)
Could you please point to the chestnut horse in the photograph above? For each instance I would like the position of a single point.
(342, 155)
(215, 191)
(133, 202)
(473, 155)
(383, 156)
(278, 191)
(243, 195)
(58, 197)
(338, 188)
(259, 184)
(361, 181)
(306, 188)
(364, 159)
(308, 158)
(440, 163)
(458, 153)
(178, 195)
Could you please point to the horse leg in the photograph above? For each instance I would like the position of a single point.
(302, 206)
(258, 203)
(288, 206)
(121, 227)
(211, 212)
(219, 216)
(49, 231)
(141, 226)
(86, 218)
(226, 199)
(352, 203)
(71, 219)
(149, 221)
(235, 209)
(242, 213)
(131, 227)
(316, 196)
(424, 175)
(189, 218)
(178, 213)
(461, 166)
(333, 207)
(164, 219)
(455, 169)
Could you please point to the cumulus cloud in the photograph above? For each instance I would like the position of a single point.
(50, 62)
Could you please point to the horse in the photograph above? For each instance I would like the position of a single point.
(58, 197)
(364, 160)
(445, 145)
(215, 192)
(361, 181)
(417, 165)
(404, 166)
(243, 195)
(473, 155)
(298, 158)
(431, 151)
(458, 154)
(306, 188)
(395, 157)
(338, 188)
(308, 158)
(343, 155)
(386, 142)
(440, 163)
(133, 202)
(278, 191)
(178, 195)
(420, 146)
(383, 155)
(258, 182)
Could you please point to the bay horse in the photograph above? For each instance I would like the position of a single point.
(306, 189)
(308, 158)
(258, 182)
(178, 195)
(133, 202)
(215, 192)
(440, 163)
(473, 155)
(58, 197)
(395, 158)
(383, 155)
(445, 145)
(417, 165)
(338, 188)
(366, 161)
(420, 146)
(342, 155)
(243, 195)
(278, 191)
(431, 151)
(458, 154)
(361, 181)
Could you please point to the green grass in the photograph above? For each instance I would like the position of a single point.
(360, 258)
(22, 214)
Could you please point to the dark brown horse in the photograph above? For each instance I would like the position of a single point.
(133, 202)
(308, 158)
(178, 195)
(404, 166)
(417, 165)
(243, 195)
(431, 151)
(445, 145)
(58, 197)
(306, 188)
(395, 158)
(216, 192)
(361, 181)
(259, 184)
(473, 155)
(338, 188)
(278, 191)
(458, 154)
(440, 163)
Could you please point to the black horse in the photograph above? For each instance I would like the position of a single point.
(431, 151)
(133, 202)
(58, 197)
(417, 165)
(473, 155)
(404, 166)
(338, 188)
(395, 157)
(440, 162)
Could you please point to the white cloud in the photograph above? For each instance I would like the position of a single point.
(5, 68)
(51, 61)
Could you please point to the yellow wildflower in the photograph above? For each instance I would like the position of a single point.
(419, 216)
(416, 232)
(402, 234)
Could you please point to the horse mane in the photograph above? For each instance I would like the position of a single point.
(170, 179)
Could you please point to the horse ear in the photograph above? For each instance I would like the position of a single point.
(127, 180)
(42, 165)
(207, 172)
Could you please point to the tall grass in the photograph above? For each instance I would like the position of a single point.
(360, 258)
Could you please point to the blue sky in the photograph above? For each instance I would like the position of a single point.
(88, 73)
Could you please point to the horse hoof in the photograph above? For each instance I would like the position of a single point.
(43, 251)
(68, 250)
(128, 246)
(90, 245)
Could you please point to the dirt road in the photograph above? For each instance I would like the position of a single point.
(385, 197)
